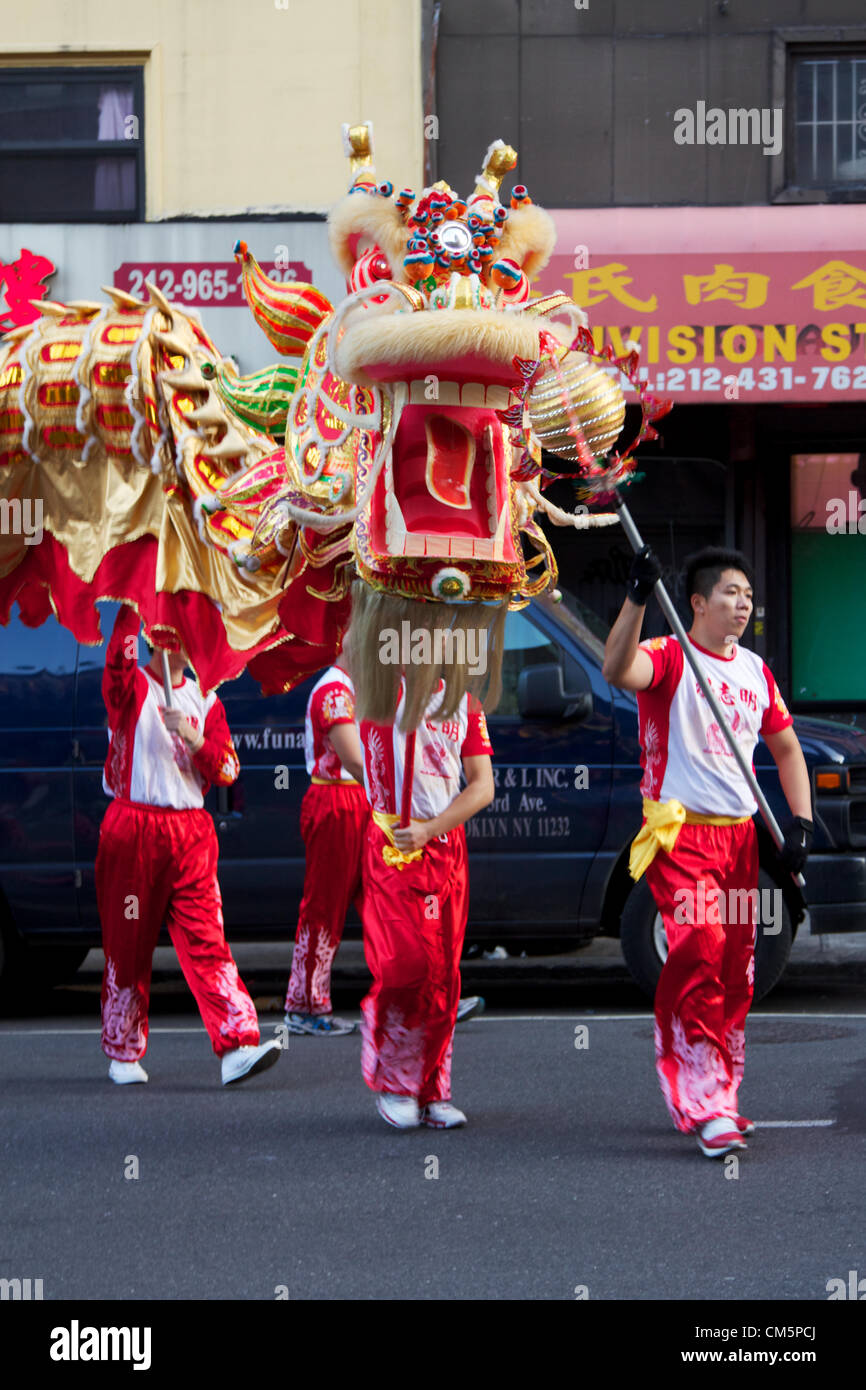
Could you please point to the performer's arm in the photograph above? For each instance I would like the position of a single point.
(213, 751)
(625, 665)
(121, 664)
(346, 743)
(793, 772)
(478, 793)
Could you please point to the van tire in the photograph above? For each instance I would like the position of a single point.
(46, 966)
(638, 939)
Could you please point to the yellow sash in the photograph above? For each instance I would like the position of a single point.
(393, 857)
(334, 782)
(662, 822)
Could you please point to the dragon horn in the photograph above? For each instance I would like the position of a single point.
(121, 299)
(287, 314)
(158, 298)
(499, 160)
(358, 149)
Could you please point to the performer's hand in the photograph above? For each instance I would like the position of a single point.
(412, 836)
(797, 843)
(177, 723)
(645, 570)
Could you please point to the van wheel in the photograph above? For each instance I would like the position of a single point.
(46, 966)
(30, 968)
(644, 941)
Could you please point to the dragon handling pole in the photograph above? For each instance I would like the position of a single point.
(166, 677)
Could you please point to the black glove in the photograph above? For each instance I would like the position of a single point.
(797, 843)
(645, 570)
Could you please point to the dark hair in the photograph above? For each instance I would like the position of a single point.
(704, 569)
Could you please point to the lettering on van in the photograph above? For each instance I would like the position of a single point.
(269, 738)
(518, 827)
(532, 778)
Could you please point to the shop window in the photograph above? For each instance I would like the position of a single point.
(71, 144)
(829, 120)
(828, 578)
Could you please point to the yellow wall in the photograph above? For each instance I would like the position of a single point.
(244, 101)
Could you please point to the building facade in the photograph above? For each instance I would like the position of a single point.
(704, 161)
(140, 141)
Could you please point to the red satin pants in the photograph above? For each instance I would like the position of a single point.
(158, 865)
(414, 923)
(706, 984)
(334, 824)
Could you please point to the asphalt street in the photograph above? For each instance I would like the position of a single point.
(568, 1181)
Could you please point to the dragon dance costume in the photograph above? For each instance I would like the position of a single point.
(701, 866)
(415, 905)
(157, 856)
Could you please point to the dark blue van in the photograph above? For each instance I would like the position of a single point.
(548, 857)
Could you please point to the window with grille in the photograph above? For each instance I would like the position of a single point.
(829, 118)
(71, 144)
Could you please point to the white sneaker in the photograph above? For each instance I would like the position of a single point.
(719, 1137)
(470, 1006)
(441, 1114)
(399, 1111)
(124, 1073)
(247, 1061)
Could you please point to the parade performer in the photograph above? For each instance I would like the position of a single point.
(334, 817)
(698, 844)
(416, 902)
(157, 860)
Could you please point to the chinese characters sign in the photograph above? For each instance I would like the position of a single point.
(21, 281)
(754, 324)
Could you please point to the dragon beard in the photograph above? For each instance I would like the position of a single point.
(390, 637)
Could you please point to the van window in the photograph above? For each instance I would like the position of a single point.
(37, 674)
(525, 645)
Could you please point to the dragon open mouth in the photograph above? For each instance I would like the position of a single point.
(444, 491)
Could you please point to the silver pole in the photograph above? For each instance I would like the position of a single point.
(166, 677)
(667, 607)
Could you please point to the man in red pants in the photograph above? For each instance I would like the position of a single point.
(415, 907)
(334, 818)
(698, 844)
(157, 860)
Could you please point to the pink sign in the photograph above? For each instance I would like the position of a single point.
(725, 303)
(20, 281)
(200, 282)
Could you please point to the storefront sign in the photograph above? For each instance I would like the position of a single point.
(198, 283)
(721, 303)
(20, 281)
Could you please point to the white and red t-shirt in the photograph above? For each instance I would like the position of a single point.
(332, 701)
(146, 763)
(684, 753)
(440, 745)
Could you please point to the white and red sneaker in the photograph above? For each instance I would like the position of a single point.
(719, 1137)
(399, 1111)
(126, 1073)
(441, 1114)
(745, 1126)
